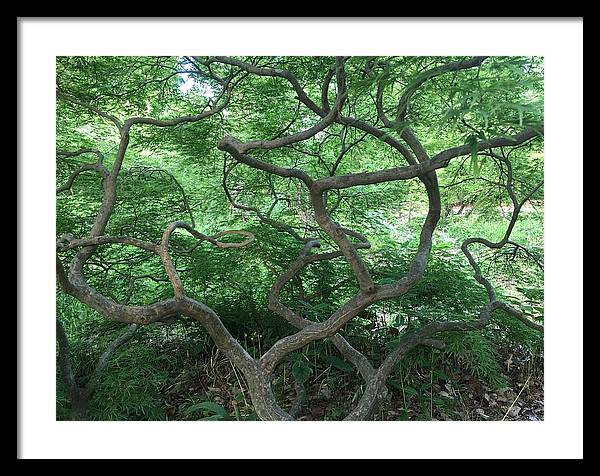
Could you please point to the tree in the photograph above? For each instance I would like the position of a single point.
(369, 103)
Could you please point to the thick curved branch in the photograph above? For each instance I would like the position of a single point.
(326, 121)
(339, 234)
(75, 284)
(325, 91)
(110, 189)
(500, 141)
(214, 239)
(325, 110)
(423, 336)
(356, 358)
(438, 161)
(419, 261)
(68, 242)
(232, 145)
(96, 152)
(285, 74)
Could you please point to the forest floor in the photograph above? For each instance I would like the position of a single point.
(468, 399)
(459, 397)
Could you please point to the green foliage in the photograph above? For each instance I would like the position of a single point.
(478, 355)
(130, 388)
(339, 363)
(208, 411)
(301, 371)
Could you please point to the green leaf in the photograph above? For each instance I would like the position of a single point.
(410, 391)
(450, 114)
(218, 410)
(339, 363)
(475, 166)
(301, 371)
(441, 375)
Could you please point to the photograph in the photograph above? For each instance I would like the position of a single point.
(300, 238)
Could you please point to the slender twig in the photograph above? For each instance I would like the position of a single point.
(516, 398)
